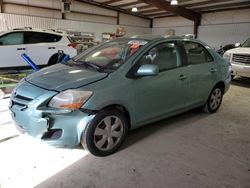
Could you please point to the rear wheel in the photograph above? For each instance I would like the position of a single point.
(214, 100)
(105, 134)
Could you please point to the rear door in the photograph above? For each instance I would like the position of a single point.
(202, 72)
(163, 94)
(11, 47)
(41, 46)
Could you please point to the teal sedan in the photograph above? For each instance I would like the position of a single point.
(96, 97)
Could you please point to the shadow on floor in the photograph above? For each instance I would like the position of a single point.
(242, 82)
(171, 123)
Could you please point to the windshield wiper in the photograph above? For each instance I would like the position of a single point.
(90, 64)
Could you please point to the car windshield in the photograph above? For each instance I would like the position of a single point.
(246, 43)
(109, 56)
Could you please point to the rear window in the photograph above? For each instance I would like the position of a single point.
(14, 38)
(39, 37)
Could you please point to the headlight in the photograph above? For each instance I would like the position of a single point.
(227, 56)
(70, 99)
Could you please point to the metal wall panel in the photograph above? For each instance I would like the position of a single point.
(226, 27)
(87, 8)
(178, 30)
(126, 19)
(222, 34)
(54, 4)
(216, 29)
(10, 21)
(32, 11)
(90, 18)
(171, 21)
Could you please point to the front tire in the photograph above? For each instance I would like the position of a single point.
(54, 60)
(106, 132)
(214, 100)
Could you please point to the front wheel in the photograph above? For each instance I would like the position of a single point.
(214, 100)
(106, 132)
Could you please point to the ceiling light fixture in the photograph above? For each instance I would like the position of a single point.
(174, 2)
(134, 9)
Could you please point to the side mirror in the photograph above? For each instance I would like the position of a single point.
(237, 45)
(147, 70)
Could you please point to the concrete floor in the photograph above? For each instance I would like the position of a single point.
(189, 150)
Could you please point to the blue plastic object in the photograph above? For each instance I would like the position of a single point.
(30, 62)
(65, 59)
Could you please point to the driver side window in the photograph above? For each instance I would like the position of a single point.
(163, 55)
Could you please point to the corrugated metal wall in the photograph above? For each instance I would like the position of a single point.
(178, 24)
(219, 28)
(44, 14)
(10, 21)
(227, 27)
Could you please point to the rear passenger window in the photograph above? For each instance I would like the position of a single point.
(163, 55)
(39, 37)
(196, 53)
(14, 38)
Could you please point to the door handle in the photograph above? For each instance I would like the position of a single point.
(51, 47)
(182, 77)
(21, 48)
(213, 70)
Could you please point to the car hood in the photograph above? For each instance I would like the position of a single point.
(240, 50)
(61, 77)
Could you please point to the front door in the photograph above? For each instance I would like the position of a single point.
(202, 71)
(161, 95)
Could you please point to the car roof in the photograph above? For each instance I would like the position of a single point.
(150, 37)
(50, 31)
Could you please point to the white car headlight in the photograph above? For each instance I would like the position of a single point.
(70, 99)
(227, 56)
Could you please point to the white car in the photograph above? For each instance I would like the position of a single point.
(239, 59)
(40, 45)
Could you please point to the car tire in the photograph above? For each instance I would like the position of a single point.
(54, 60)
(105, 133)
(214, 100)
(2, 94)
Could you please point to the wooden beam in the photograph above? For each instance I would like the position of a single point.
(1, 6)
(151, 23)
(159, 14)
(111, 1)
(128, 4)
(118, 18)
(102, 5)
(178, 10)
(165, 16)
(149, 11)
(196, 28)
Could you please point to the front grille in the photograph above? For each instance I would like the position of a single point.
(241, 58)
(23, 98)
(20, 101)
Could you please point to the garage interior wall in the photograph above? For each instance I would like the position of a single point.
(218, 28)
(83, 17)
